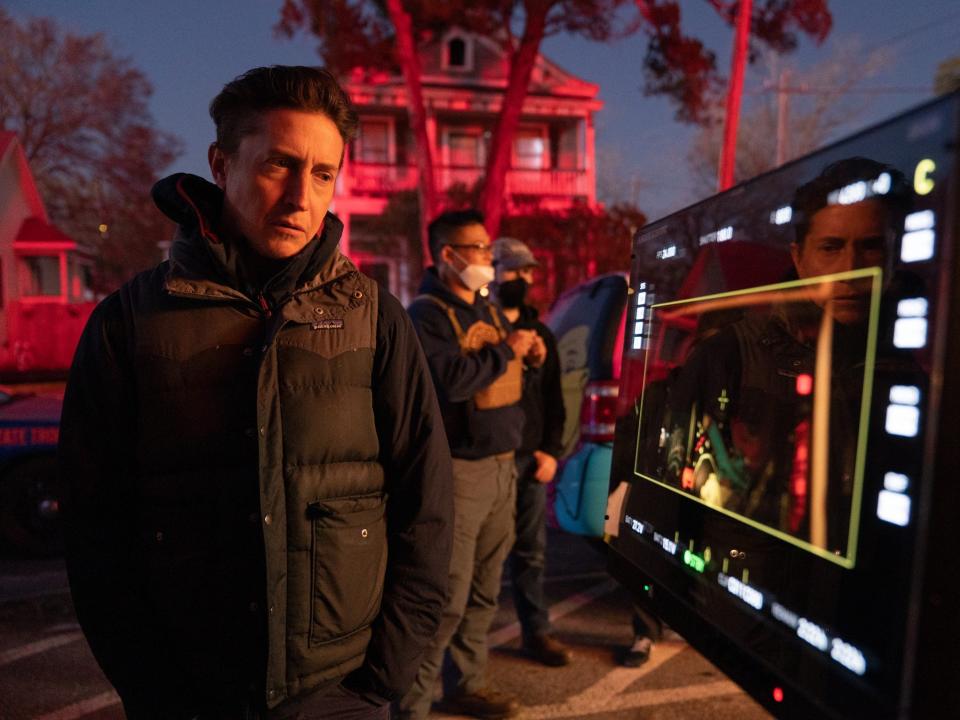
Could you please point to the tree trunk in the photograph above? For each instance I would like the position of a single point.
(522, 61)
(738, 64)
(410, 65)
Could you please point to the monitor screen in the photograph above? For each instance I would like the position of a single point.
(779, 406)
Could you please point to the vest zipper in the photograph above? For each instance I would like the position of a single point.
(264, 305)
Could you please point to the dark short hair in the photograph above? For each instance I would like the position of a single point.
(445, 224)
(813, 196)
(237, 109)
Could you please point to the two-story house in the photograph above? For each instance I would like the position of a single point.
(464, 80)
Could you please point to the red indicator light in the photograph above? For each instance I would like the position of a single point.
(686, 479)
(778, 692)
(804, 384)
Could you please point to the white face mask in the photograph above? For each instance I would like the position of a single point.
(475, 276)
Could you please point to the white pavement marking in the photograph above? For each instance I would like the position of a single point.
(84, 707)
(607, 694)
(35, 648)
(630, 701)
(564, 607)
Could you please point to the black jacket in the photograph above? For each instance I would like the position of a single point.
(542, 396)
(259, 494)
(458, 376)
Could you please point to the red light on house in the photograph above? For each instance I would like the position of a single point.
(778, 694)
(804, 384)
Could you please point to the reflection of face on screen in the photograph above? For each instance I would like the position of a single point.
(842, 238)
(762, 417)
(754, 401)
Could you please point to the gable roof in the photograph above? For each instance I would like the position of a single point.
(12, 152)
(36, 230)
(488, 70)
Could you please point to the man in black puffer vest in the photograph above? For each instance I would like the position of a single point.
(258, 514)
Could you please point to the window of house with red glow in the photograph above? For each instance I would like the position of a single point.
(40, 276)
(374, 142)
(530, 150)
(466, 149)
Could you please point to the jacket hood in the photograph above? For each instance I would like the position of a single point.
(199, 254)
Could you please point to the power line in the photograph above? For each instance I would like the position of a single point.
(876, 90)
(908, 33)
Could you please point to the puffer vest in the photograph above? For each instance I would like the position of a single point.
(257, 440)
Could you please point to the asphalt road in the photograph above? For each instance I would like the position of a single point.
(47, 672)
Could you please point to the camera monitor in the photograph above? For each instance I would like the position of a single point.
(784, 460)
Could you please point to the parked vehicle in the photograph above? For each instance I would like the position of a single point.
(29, 490)
(588, 322)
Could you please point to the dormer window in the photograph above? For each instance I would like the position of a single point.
(458, 52)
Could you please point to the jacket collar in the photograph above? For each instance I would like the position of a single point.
(205, 265)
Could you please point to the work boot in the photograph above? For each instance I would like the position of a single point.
(484, 703)
(638, 653)
(547, 651)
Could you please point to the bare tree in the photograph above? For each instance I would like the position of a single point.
(80, 113)
(818, 103)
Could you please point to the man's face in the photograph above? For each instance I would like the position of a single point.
(469, 245)
(842, 238)
(279, 182)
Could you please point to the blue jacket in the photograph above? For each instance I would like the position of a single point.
(472, 433)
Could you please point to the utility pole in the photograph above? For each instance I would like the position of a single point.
(738, 63)
(783, 118)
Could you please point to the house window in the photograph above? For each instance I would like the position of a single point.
(81, 280)
(374, 141)
(456, 53)
(466, 149)
(40, 275)
(530, 150)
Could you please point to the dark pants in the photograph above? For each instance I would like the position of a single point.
(528, 558)
(646, 624)
(483, 506)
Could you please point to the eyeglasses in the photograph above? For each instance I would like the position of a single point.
(479, 247)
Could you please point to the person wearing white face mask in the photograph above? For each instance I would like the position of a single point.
(476, 359)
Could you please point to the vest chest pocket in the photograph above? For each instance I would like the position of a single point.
(348, 564)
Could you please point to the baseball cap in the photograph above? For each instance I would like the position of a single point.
(512, 254)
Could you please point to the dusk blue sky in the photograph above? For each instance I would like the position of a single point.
(189, 49)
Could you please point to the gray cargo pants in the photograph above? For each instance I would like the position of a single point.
(484, 507)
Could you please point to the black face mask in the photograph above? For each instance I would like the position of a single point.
(512, 293)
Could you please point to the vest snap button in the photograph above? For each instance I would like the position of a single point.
(267, 519)
(363, 532)
(318, 310)
(357, 294)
